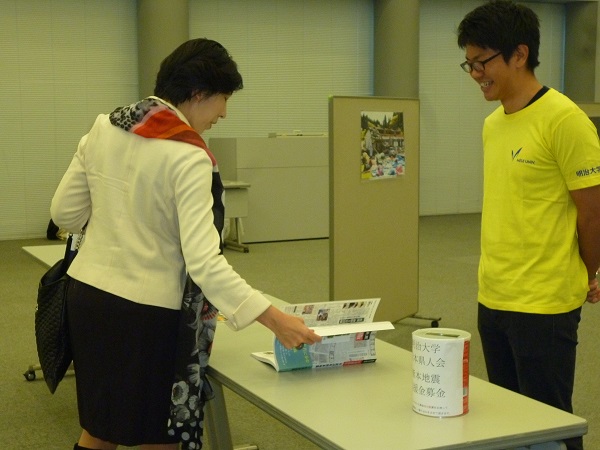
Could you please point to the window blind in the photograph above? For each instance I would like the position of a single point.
(63, 62)
(293, 55)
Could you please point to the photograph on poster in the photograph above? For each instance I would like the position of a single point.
(382, 153)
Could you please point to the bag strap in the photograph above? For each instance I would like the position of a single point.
(74, 242)
(78, 241)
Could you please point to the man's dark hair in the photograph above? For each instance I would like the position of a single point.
(502, 25)
(197, 66)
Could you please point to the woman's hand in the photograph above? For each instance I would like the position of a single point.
(290, 330)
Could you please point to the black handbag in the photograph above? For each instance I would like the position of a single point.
(51, 327)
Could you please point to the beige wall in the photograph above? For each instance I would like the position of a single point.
(581, 61)
(162, 26)
(396, 51)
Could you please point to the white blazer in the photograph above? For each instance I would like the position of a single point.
(148, 203)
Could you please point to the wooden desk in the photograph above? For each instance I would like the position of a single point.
(370, 406)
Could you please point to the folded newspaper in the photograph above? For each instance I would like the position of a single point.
(348, 333)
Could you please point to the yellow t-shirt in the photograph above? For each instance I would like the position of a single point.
(529, 251)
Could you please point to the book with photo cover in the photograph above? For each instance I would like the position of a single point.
(348, 333)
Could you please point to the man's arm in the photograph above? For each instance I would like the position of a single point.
(587, 202)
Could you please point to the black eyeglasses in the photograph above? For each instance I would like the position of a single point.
(478, 66)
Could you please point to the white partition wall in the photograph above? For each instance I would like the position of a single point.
(288, 177)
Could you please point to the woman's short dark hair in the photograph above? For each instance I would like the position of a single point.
(502, 25)
(197, 66)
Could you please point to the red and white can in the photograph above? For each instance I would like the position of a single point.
(441, 371)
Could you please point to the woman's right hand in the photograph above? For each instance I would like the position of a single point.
(290, 330)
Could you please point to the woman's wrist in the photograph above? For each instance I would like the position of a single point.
(268, 318)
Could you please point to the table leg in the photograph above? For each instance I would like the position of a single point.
(236, 223)
(217, 422)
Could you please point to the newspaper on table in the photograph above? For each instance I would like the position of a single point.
(348, 333)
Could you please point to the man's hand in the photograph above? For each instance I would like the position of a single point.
(593, 295)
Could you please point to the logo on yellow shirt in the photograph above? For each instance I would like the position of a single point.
(515, 155)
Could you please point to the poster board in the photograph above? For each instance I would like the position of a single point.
(374, 202)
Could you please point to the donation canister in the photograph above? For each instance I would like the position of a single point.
(440, 371)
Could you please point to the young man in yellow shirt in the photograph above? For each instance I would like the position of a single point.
(540, 235)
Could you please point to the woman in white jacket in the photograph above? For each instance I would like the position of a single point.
(149, 190)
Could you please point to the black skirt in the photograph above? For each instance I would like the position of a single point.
(124, 360)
